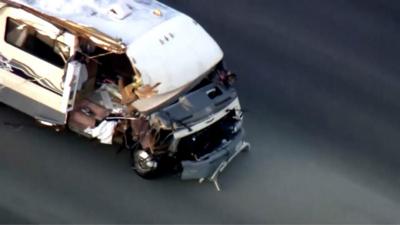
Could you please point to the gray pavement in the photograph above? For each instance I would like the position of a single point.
(320, 81)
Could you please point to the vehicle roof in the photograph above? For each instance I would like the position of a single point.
(122, 20)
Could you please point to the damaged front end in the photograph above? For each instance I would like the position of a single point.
(201, 131)
(197, 133)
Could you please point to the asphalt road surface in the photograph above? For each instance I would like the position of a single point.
(320, 80)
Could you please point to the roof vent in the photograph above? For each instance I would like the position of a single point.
(120, 11)
(147, 2)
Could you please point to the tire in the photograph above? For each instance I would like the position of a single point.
(144, 164)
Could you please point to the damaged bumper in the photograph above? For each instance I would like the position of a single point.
(207, 131)
(211, 165)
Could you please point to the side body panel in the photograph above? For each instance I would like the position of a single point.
(30, 84)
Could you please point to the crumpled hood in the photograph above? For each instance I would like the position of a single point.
(174, 53)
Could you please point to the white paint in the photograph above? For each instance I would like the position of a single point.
(175, 53)
(133, 18)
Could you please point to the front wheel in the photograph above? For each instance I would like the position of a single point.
(144, 164)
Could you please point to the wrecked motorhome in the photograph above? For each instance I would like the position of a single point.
(131, 72)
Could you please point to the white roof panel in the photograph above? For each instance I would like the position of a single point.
(120, 19)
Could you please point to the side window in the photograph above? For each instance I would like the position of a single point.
(33, 42)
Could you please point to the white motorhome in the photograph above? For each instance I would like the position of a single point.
(133, 72)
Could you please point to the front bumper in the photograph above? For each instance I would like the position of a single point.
(211, 165)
